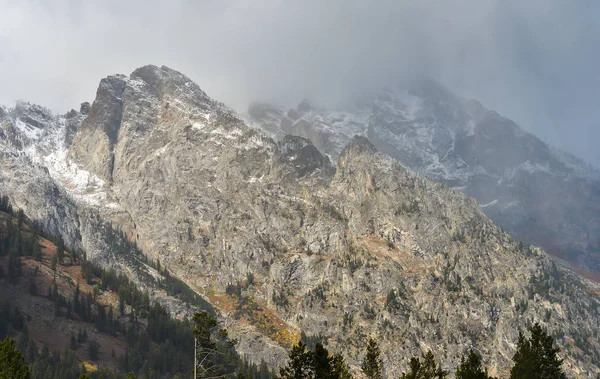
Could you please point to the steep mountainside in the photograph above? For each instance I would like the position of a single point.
(281, 242)
(540, 194)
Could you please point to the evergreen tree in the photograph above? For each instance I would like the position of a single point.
(121, 305)
(32, 286)
(76, 306)
(31, 352)
(53, 262)
(426, 369)
(37, 250)
(340, 369)
(12, 363)
(60, 250)
(20, 216)
(73, 343)
(537, 357)
(79, 336)
(372, 365)
(470, 368)
(14, 264)
(205, 347)
(300, 365)
(94, 350)
(322, 362)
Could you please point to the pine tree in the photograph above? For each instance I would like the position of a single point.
(53, 262)
(372, 366)
(537, 357)
(340, 369)
(37, 250)
(94, 350)
(426, 369)
(12, 363)
(32, 286)
(31, 353)
(322, 362)
(205, 346)
(14, 264)
(76, 306)
(300, 365)
(470, 368)
(60, 249)
(121, 305)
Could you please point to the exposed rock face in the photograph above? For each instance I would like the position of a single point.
(368, 248)
(303, 155)
(95, 148)
(539, 194)
(85, 107)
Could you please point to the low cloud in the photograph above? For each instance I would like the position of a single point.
(533, 61)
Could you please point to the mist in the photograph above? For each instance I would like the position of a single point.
(535, 62)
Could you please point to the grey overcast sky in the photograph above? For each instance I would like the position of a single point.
(535, 61)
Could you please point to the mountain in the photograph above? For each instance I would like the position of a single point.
(278, 239)
(538, 193)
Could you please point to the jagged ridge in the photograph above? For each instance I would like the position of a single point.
(215, 199)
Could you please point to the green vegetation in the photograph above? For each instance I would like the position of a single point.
(536, 357)
(372, 365)
(471, 368)
(12, 363)
(317, 364)
(427, 368)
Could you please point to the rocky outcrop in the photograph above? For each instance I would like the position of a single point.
(94, 149)
(303, 156)
(366, 249)
(539, 194)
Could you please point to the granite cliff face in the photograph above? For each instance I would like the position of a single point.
(538, 193)
(280, 240)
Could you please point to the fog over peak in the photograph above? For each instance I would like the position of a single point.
(534, 61)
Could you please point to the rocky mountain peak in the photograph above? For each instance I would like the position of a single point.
(32, 114)
(515, 176)
(426, 87)
(300, 153)
(84, 108)
(130, 105)
(358, 145)
(168, 82)
(106, 110)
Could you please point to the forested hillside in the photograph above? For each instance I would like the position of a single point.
(68, 315)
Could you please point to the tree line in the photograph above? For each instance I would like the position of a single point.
(536, 357)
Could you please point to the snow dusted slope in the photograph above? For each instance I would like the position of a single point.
(42, 139)
(329, 130)
(539, 193)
